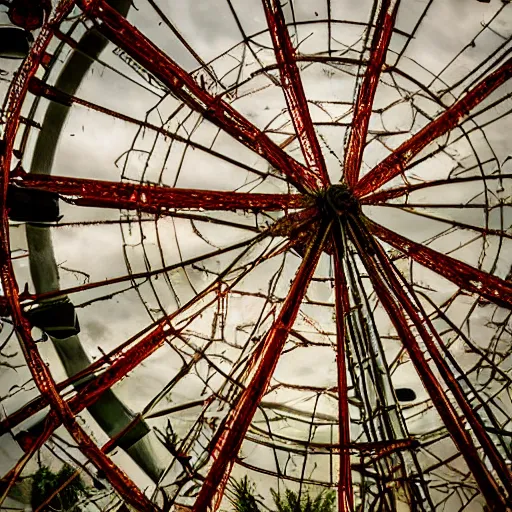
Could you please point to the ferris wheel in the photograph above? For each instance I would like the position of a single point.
(257, 250)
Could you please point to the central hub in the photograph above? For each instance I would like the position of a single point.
(339, 199)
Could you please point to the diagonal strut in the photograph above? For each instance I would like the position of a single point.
(463, 275)
(396, 304)
(122, 33)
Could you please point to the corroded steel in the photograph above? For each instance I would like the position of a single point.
(235, 427)
(40, 372)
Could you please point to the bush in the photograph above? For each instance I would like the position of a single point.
(243, 499)
(45, 482)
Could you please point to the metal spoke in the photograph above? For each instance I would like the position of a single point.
(432, 340)
(262, 369)
(52, 93)
(182, 84)
(364, 104)
(396, 162)
(345, 491)
(294, 92)
(153, 199)
(397, 305)
(453, 223)
(463, 275)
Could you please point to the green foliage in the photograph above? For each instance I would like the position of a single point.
(293, 502)
(45, 482)
(243, 499)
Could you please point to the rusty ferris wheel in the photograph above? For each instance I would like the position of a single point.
(263, 240)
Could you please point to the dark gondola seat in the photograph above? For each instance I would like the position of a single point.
(405, 394)
(14, 42)
(58, 318)
(30, 205)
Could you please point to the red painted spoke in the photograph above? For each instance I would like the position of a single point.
(345, 493)
(364, 104)
(392, 193)
(116, 28)
(463, 275)
(124, 362)
(430, 336)
(121, 362)
(154, 199)
(397, 303)
(240, 417)
(396, 162)
(294, 92)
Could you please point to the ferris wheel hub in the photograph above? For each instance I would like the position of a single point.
(339, 199)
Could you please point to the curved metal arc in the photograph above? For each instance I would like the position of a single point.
(392, 193)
